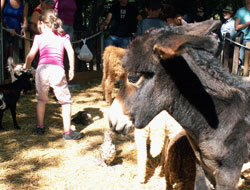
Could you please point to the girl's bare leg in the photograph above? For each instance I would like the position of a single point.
(66, 115)
(40, 110)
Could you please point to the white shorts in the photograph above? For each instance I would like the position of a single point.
(52, 76)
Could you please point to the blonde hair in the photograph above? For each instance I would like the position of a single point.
(51, 19)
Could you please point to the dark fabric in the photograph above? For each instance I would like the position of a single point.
(149, 23)
(13, 17)
(123, 22)
(239, 34)
(153, 4)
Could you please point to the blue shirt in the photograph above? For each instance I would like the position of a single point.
(148, 23)
(13, 17)
(244, 16)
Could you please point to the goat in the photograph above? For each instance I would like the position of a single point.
(17, 69)
(183, 76)
(112, 70)
(2, 102)
(10, 95)
(165, 136)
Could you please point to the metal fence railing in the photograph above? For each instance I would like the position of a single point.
(94, 42)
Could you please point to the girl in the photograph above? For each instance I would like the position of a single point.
(50, 71)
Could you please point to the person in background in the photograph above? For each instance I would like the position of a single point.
(15, 15)
(171, 17)
(197, 16)
(228, 25)
(44, 4)
(153, 9)
(66, 10)
(122, 18)
(178, 20)
(50, 71)
(200, 15)
(242, 22)
(15, 18)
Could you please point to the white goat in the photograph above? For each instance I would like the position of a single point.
(17, 69)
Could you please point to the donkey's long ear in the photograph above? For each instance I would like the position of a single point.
(174, 45)
(200, 28)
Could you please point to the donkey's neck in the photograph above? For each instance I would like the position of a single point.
(189, 94)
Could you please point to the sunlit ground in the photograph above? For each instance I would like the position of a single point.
(47, 162)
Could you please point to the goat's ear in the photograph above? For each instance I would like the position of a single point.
(175, 44)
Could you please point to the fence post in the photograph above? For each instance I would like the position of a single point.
(246, 62)
(1, 55)
(236, 57)
(102, 49)
(16, 49)
(27, 44)
(226, 49)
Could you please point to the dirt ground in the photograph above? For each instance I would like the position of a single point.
(47, 162)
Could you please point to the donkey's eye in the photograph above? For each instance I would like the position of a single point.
(148, 75)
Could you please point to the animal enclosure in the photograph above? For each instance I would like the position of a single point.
(46, 162)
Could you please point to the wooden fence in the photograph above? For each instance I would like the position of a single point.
(232, 64)
(1, 54)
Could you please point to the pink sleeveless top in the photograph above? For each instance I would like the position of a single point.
(51, 48)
